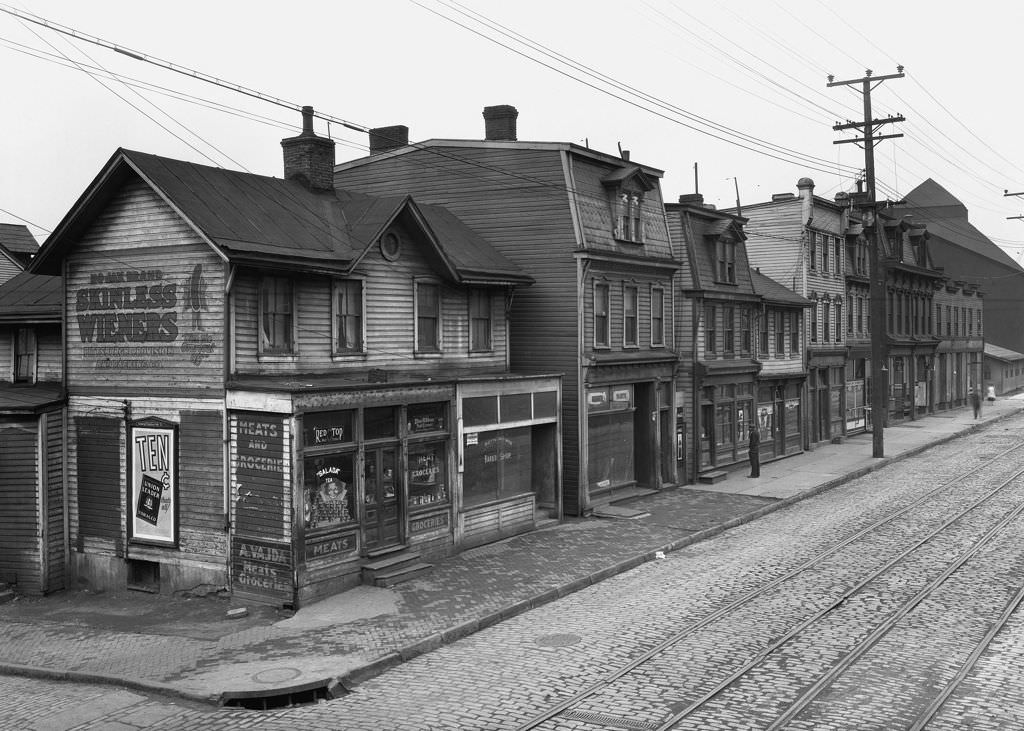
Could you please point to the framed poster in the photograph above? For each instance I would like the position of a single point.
(153, 482)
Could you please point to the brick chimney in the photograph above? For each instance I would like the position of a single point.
(307, 158)
(805, 186)
(692, 199)
(500, 122)
(383, 139)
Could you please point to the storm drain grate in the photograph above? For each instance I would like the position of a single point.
(608, 721)
(299, 695)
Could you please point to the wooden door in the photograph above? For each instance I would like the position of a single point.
(382, 527)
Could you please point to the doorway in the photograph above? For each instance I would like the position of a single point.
(382, 527)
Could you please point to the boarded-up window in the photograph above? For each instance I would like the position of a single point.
(19, 502)
(99, 477)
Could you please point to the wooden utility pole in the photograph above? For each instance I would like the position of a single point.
(873, 230)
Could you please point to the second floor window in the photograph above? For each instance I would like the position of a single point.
(348, 316)
(24, 355)
(780, 334)
(794, 332)
(602, 324)
(814, 322)
(710, 328)
(479, 320)
(823, 243)
(839, 255)
(826, 323)
(630, 323)
(277, 316)
(729, 325)
(726, 254)
(428, 317)
(657, 316)
(839, 322)
(745, 330)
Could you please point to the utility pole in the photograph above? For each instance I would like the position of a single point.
(873, 230)
(1007, 193)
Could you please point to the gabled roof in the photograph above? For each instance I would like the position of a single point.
(263, 221)
(946, 217)
(776, 293)
(18, 241)
(31, 298)
(628, 172)
(999, 353)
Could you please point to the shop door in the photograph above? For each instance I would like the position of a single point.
(383, 525)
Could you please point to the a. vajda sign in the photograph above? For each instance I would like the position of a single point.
(153, 513)
(133, 319)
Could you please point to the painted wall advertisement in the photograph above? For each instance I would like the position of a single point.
(139, 320)
(153, 483)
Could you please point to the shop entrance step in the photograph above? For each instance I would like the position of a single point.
(710, 478)
(394, 568)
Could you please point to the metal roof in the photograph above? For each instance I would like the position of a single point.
(776, 293)
(31, 298)
(265, 221)
(1000, 353)
(21, 399)
(17, 239)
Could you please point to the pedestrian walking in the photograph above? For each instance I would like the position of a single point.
(976, 402)
(754, 449)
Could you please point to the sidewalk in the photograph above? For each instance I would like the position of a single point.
(190, 648)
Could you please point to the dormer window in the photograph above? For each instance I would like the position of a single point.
(726, 258)
(629, 225)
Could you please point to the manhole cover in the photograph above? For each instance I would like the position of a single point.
(558, 640)
(276, 675)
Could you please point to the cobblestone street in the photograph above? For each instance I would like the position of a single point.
(652, 642)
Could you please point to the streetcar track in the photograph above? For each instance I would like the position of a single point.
(660, 648)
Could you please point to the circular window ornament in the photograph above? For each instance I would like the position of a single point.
(390, 246)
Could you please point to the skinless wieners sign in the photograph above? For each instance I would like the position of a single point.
(153, 482)
(141, 319)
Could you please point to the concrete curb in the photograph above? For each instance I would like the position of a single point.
(31, 671)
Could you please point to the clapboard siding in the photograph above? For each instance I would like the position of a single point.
(498, 520)
(19, 505)
(99, 478)
(775, 241)
(389, 296)
(8, 268)
(201, 485)
(169, 339)
(55, 532)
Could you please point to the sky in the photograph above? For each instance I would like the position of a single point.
(726, 97)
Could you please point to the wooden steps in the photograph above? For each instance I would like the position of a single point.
(710, 478)
(388, 568)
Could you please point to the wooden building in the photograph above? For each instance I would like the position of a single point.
(911, 343)
(17, 247)
(781, 380)
(799, 240)
(717, 386)
(286, 388)
(1003, 370)
(590, 229)
(32, 515)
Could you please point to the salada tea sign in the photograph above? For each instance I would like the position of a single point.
(153, 482)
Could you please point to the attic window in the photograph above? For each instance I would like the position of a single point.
(390, 246)
(629, 225)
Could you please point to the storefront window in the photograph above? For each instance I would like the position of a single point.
(328, 427)
(422, 418)
(379, 423)
(328, 490)
(427, 474)
(498, 465)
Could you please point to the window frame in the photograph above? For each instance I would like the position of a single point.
(630, 315)
(629, 223)
(265, 346)
(476, 297)
(657, 321)
(337, 286)
(421, 285)
(30, 351)
(729, 329)
(710, 328)
(602, 334)
(725, 254)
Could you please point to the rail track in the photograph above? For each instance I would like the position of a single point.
(915, 552)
